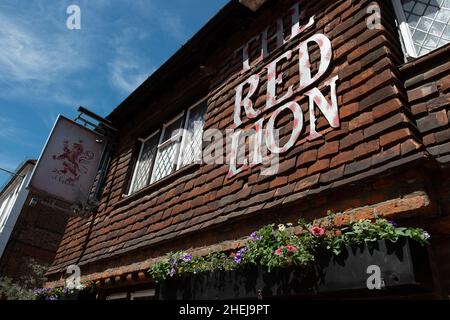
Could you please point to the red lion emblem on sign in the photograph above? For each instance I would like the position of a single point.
(74, 161)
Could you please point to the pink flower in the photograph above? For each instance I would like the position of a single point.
(317, 231)
(291, 248)
(288, 248)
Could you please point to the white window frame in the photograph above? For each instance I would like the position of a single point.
(162, 143)
(186, 124)
(405, 32)
(181, 137)
(137, 165)
(406, 37)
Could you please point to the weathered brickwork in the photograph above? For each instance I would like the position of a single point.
(36, 236)
(374, 165)
(428, 85)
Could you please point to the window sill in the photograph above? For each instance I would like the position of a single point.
(157, 185)
(425, 60)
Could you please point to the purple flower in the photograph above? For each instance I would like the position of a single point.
(238, 257)
(393, 223)
(173, 272)
(42, 292)
(254, 237)
(426, 235)
(51, 297)
(38, 291)
(187, 258)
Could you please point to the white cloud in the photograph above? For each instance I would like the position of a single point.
(27, 55)
(128, 68)
(126, 74)
(39, 58)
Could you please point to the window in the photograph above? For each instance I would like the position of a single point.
(6, 205)
(424, 25)
(176, 145)
(168, 149)
(193, 138)
(144, 166)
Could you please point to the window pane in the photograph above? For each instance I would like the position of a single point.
(443, 15)
(408, 5)
(145, 164)
(172, 130)
(419, 36)
(419, 8)
(168, 151)
(413, 20)
(424, 24)
(429, 21)
(193, 139)
(446, 34)
(165, 161)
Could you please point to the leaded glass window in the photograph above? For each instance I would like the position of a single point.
(177, 144)
(168, 150)
(193, 138)
(144, 166)
(428, 23)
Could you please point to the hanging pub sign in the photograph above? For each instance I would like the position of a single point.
(312, 86)
(69, 162)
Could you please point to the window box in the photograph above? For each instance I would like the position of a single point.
(404, 265)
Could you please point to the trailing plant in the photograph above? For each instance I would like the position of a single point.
(368, 232)
(49, 294)
(60, 293)
(284, 246)
(273, 247)
(182, 263)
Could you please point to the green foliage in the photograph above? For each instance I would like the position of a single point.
(280, 247)
(49, 294)
(367, 232)
(60, 293)
(160, 271)
(274, 247)
(183, 263)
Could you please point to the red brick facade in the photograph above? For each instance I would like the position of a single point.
(386, 159)
(36, 236)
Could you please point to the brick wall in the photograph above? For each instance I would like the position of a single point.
(378, 152)
(428, 85)
(36, 235)
(427, 82)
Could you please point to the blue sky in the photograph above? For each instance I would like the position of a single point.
(47, 69)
